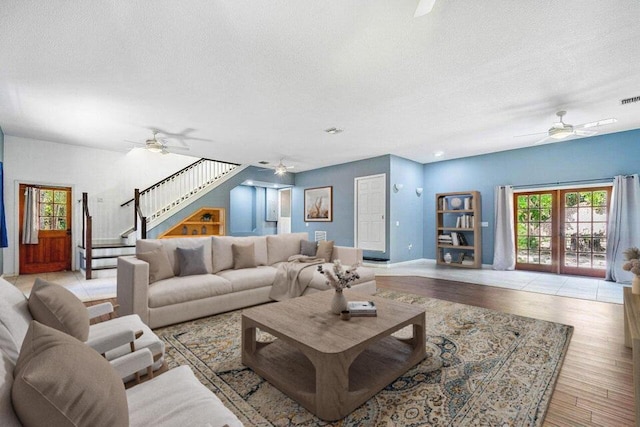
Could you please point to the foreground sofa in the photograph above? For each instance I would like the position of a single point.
(229, 278)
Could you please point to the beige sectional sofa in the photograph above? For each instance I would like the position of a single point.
(163, 296)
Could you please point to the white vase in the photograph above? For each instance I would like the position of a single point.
(338, 302)
(635, 285)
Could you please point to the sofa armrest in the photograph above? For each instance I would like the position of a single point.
(133, 286)
(347, 255)
(98, 310)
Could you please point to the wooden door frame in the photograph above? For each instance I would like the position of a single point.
(17, 219)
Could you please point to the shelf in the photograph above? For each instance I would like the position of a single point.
(194, 226)
(447, 221)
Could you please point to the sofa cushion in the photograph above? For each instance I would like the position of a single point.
(244, 256)
(14, 319)
(181, 289)
(8, 416)
(249, 278)
(60, 381)
(191, 261)
(57, 307)
(308, 248)
(159, 266)
(176, 396)
(280, 247)
(223, 251)
(325, 249)
(171, 245)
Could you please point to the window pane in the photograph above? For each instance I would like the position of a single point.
(534, 229)
(522, 256)
(584, 214)
(584, 260)
(600, 198)
(61, 210)
(534, 201)
(545, 243)
(600, 245)
(45, 223)
(545, 229)
(522, 229)
(522, 202)
(570, 244)
(534, 215)
(571, 214)
(600, 213)
(533, 258)
(533, 243)
(599, 261)
(46, 196)
(522, 243)
(545, 200)
(60, 197)
(61, 223)
(570, 199)
(46, 209)
(545, 215)
(570, 259)
(585, 198)
(545, 257)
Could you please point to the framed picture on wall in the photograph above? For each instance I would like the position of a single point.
(318, 204)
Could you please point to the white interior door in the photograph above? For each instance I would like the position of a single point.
(284, 211)
(370, 212)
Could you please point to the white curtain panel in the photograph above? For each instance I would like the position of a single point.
(624, 225)
(30, 224)
(504, 245)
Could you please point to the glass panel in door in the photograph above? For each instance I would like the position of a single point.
(535, 225)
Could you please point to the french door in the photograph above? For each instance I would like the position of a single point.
(562, 231)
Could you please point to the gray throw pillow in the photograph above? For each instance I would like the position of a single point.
(308, 248)
(191, 261)
(244, 256)
(57, 307)
(159, 264)
(325, 250)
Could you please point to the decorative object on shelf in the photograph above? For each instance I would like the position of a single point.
(194, 232)
(204, 230)
(632, 256)
(318, 204)
(419, 191)
(185, 230)
(447, 258)
(206, 221)
(455, 203)
(206, 217)
(397, 187)
(339, 279)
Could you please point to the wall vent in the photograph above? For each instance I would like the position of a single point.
(630, 100)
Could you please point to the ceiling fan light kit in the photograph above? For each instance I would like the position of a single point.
(424, 7)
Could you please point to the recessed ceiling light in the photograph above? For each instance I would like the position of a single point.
(438, 153)
(333, 131)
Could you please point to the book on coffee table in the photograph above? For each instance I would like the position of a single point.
(362, 308)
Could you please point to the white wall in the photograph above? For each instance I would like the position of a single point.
(107, 175)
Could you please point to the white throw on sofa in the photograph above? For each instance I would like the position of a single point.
(160, 292)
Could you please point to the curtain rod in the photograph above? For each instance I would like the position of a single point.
(579, 181)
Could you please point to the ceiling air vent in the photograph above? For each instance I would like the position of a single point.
(263, 162)
(630, 100)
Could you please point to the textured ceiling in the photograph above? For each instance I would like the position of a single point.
(261, 80)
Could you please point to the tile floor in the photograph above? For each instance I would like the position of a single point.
(567, 286)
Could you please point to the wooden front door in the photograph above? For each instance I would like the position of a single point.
(53, 250)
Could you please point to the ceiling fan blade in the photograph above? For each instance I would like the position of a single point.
(424, 7)
(530, 134)
(176, 147)
(597, 123)
(543, 140)
(585, 132)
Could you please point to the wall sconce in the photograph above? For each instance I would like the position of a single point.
(397, 187)
(419, 191)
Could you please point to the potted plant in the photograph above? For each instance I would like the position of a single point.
(206, 217)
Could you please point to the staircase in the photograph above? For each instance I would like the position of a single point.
(155, 203)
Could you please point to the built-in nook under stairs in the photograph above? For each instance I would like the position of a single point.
(104, 258)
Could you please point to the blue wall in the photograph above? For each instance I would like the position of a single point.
(591, 158)
(243, 206)
(407, 212)
(341, 177)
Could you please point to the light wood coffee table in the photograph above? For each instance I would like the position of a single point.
(331, 366)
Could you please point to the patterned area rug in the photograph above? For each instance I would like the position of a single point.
(483, 368)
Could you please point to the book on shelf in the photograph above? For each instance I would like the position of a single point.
(362, 308)
(454, 239)
(462, 240)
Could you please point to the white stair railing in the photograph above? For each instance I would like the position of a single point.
(172, 193)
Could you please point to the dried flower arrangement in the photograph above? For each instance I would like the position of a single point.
(632, 256)
(338, 278)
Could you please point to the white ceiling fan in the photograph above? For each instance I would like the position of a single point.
(279, 169)
(561, 130)
(158, 145)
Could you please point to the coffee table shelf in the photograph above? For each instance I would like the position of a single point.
(327, 365)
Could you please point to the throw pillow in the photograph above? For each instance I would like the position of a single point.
(325, 249)
(308, 248)
(59, 381)
(159, 264)
(191, 261)
(244, 256)
(59, 308)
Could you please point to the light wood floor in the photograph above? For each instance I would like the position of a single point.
(595, 384)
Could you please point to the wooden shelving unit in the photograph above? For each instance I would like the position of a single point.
(204, 222)
(459, 213)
